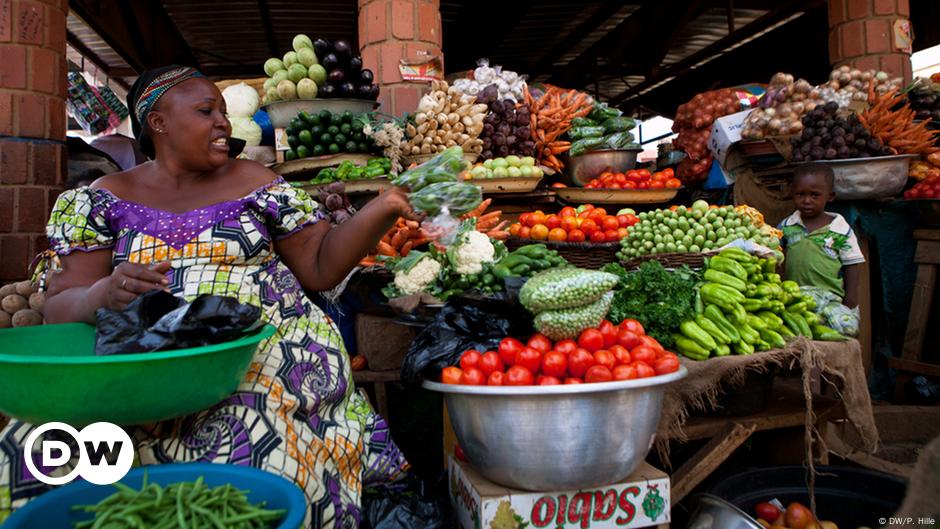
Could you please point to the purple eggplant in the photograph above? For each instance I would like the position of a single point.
(337, 76)
(330, 61)
(373, 92)
(343, 50)
(347, 90)
(322, 47)
(355, 64)
(367, 77)
(327, 91)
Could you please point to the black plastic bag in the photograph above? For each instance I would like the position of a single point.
(407, 504)
(160, 321)
(462, 324)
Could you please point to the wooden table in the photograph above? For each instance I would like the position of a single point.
(927, 257)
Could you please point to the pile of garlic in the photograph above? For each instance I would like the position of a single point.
(510, 84)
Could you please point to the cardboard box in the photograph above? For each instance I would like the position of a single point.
(642, 500)
(726, 132)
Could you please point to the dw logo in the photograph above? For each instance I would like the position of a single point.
(105, 453)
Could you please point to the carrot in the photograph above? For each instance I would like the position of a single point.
(399, 238)
(386, 249)
(412, 224)
(498, 235)
(418, 242)
(407, 248)
(368, 260)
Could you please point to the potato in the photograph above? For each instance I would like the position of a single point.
(6, 320)
(37, 300)
(27, 317)
(25, 288)
(6, 290)
(14, 303)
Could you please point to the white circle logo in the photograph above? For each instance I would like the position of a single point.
(105, 453)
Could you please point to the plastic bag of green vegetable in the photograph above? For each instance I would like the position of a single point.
(618, 124)
(457, 197)
(445, 167)
(619, 140)
(587, 144)
(601, 111)
(578, 133)
(583, 122)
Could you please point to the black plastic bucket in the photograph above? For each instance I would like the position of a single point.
(850, 497)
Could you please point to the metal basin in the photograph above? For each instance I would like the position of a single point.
(712, 512)
(585, 167)
(281, 112)
(547, 438)
(869, 178)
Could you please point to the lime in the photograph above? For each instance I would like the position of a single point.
(303, 152)
(333, 148)
(290, 155)
(351, 146)
(305, 137)
(340, 138)
(319, 150)
(345, 128)
(333, 129)
(325, 117)
(293, 141)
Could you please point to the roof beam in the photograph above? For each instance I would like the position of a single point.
(601, 15)
(501, 17)
(268, 27)
(92, 57)
(780, 14)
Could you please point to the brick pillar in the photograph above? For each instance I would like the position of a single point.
(32, 126)
(390, 30)
(862, 35)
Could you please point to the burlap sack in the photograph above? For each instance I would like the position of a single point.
(923, 491)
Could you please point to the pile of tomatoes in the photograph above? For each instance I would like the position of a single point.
(636, 179)
(927, 189)
(603, 354)
(586, 223)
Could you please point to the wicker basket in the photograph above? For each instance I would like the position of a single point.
(671, 260)
(580, 254)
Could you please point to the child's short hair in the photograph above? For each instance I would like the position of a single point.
(815, 170)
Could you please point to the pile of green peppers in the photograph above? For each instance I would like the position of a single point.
(347, 171)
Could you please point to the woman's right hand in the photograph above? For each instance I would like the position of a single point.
(129, 280)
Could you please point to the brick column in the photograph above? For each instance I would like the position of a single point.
(862, 35)
(32, 126)
(390, 30)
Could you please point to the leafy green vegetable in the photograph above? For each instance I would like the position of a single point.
(660, 299)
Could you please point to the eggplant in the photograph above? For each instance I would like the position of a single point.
(374, 92)
(347, 89)
(367, 77)
(343, 50)
(355, 64)
(327, 91)
(322, 47)
(337, 76)
(330, 61)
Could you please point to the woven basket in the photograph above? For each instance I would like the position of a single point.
(580, 254)
(671, 260)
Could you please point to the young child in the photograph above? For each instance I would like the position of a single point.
(821, 248)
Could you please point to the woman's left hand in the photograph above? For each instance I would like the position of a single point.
(396, 200)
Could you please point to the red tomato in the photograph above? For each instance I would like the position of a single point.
(605, 358)
(611, 235)
(673, 183)
(633, 325)
(490, 362)
(623, 221)
(553, 221)
(668, 363)
(643, 353)
(588, 227)
(458, 453)
(629, 185)
(470, 358)
(624, 372)
(621, 353)
(473, 377)
(545, 380)
(508, 348)
(598, 236)
(569, 223)
(644, 173)
(632, 219)
(767, 511)
(576, 235)
(649, 341)
(568, 211)
(579, 361)
(669, 172)
(566, 347)
(643, 185)
(524, 219)
(610, 223)
(622, 232)
(536, 217)
(573, 380)
(643, 370)
(539, 232)
(628, 338)
(557, 235)
(514, 229)
(529, 358)
(519, 376)
(540, 343)
(525, 232)
(609, 330)
(555, 364)
(657, 185)
(496, 378)
(598, 374)
(591, 339)
(451, 375)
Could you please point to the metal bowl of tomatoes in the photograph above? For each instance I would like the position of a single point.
(585, 167)
(565, 437)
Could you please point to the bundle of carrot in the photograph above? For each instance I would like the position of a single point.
(407, 235)
(893, 124)
(551, 117)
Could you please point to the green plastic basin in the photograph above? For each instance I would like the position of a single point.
(50, 373)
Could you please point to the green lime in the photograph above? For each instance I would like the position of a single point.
(326, 139)
(362, 147)
(333, 129)
(313, 120)
(319, 150)
(290, 155)
(317, 130)
(325, 117)
(304, 116)
(347, 117)
(305, 137)
(303, 152)
(345, 128)
(340, 138)
(297, 124)
(333, 148)
(351, 146)
(293, 141)
(358, 136)
(357, 125)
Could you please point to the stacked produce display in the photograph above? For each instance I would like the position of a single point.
(506, 127)
(445, 118)
(326, 133)
(828, 136)
(693, 124)
(636, 179)
(565, 301)
(583, 224)
(318, 69)
(348, 171)
(511, 166)
(603, 128)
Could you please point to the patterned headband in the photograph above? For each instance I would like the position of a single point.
(163, 82)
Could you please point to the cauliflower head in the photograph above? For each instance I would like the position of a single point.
(474, 249)
(418, 277)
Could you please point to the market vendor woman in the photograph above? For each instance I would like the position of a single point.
(194, 221)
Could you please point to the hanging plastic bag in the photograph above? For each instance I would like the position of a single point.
(160, 321)
(445, 167)
(841, 318)
(462, 324)
(406, 504)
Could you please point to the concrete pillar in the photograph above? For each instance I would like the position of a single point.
(390, 30)
(32, 126)
(862, 34)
